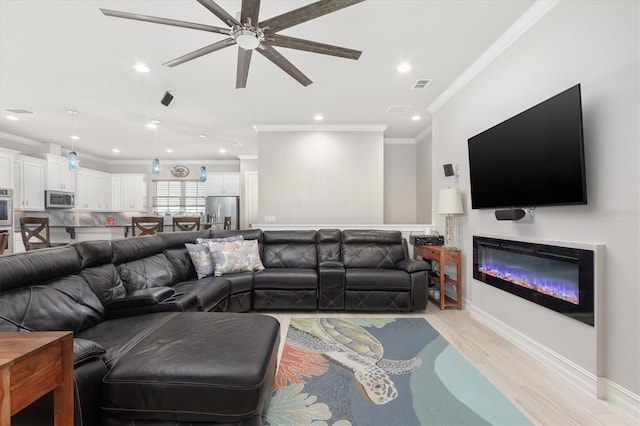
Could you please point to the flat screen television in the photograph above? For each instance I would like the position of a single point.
(535, 158)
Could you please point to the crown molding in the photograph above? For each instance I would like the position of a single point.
(399, 141)
(320, 128)
(247, 157)
(19, 139)
(521, 26)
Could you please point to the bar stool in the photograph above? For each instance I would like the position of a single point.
(35, 233)
(147, 225)
(4, 242)
(186, 223)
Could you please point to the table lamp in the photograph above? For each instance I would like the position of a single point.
(449, 203)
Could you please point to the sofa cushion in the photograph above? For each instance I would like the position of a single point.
(172, 373)
(183, 268)
(201, 259)
(286, 279)
(210, 291)
(105, 282)
(229, 257)
(371, 249)
(289, 249)
(152, 271)
(66, 303)
(377, 279)
(25, 269)
(130, 249)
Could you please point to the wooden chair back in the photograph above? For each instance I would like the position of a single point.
(186, 223)
(227, 222)
(35, 232)
(4, 242)
(146, 225)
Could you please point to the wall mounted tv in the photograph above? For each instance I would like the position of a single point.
(535, 158)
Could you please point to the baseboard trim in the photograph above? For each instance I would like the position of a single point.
(600, 387)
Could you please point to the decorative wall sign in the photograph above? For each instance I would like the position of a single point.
(180, 171)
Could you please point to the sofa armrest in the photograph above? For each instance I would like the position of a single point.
(84, 350)
(331, 287)
(144, 297)
(413, 265)
(331, 264)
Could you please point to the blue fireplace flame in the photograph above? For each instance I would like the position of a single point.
(544, 276)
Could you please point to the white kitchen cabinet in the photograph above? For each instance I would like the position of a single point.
(59, 177)
(93, 190)
(28, 192)
(6, 167)
(129, 192)
(226, 184)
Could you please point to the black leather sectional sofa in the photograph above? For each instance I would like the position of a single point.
(154, 344)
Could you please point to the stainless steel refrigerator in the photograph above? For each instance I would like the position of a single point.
(217, 208)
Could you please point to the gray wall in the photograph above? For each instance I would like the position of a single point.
(321, 177)
(400, 181)
(594, 43)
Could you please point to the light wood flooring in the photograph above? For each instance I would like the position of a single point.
(544, 396)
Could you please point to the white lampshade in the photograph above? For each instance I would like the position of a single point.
(450, 201)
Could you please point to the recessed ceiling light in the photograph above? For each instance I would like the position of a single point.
(404, 67)
(169, 150)
(75, 137)
(12, 117)
(416, 118)
(222, 150)
(141, 67)
(203, 136)
(318, 117)
(116, 150)
(153, 124)
(238, 144)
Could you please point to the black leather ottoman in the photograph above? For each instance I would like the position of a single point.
(197, 367)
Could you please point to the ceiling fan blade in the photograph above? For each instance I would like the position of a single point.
(172, 22)
(201, 52)
(311, 46)
(249, 12)
(271, 54)
(242, 72)
(219, 12)
(306, 13)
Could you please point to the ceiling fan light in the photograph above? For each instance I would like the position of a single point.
(246, 39)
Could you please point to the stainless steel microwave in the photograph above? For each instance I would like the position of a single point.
(59, 200)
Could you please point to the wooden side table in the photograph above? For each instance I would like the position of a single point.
(32, 364)
(444, 257)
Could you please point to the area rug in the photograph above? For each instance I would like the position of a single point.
(380, 371)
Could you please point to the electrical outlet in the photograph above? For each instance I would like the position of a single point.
(269, 219)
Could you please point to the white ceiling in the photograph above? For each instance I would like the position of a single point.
(61, 55)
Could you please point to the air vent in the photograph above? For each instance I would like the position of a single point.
(421, 84)
(19, 111)
(398, 108)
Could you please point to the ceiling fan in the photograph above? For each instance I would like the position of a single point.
(250, 34)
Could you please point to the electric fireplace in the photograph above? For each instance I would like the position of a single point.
(558, 278)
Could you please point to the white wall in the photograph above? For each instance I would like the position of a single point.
(424, 168)
(399, 181)
(594, 43)
(322, 177)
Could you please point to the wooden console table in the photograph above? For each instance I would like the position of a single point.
(33, 364)
(444, 257)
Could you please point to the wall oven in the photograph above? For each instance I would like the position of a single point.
(6, 207)
(6, 217)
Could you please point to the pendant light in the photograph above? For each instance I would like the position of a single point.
(203, 174)
(72, 157)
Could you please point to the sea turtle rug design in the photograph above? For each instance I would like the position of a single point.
(354, 348)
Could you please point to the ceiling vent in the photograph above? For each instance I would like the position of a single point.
(398, 108)
(19, 111)
(421, 84)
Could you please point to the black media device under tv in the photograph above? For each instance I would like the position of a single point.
(535, 158)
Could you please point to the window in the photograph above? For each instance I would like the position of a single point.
(178, 197)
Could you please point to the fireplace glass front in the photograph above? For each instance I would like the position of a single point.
(559, 278)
